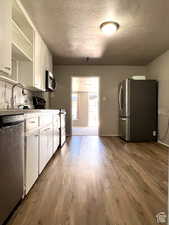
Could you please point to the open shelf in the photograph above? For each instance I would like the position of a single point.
(21, 45)
(18, 54)
(21, 19)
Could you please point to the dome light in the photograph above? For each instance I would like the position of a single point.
(109, 27)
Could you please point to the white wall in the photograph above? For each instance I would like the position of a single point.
(159, 70)
(20, 99)
(110, 76)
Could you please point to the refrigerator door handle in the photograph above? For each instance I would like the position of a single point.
(120, 93)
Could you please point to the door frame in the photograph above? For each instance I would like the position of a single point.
(76, 76)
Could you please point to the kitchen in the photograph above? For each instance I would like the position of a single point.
(37, 64)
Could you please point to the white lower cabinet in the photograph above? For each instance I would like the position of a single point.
(50, 143)
(43, 149)
(41, 142)
(32, 158)
(46, 147)
(56, 126)
(56, 139)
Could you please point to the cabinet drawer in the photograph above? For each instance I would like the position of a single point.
(56, 121)
(31, 123)
(45, 119)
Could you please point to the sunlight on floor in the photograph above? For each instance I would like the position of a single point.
(85, 131)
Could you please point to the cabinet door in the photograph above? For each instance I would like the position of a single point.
(5, 36)
(57, 139)
(15, 69)
(38, 59)
(56, 135)
(40, 64)
(43, 149)
(50, 143)
(32, 158)
(49, 60)
(43, 62)
(63, 136)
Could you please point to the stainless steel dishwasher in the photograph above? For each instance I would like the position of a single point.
(11, 163)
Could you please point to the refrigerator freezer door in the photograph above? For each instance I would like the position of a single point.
(124, 128)
(124, 98)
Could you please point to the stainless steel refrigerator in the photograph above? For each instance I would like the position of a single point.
(138, 105)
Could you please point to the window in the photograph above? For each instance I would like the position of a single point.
(74, 106)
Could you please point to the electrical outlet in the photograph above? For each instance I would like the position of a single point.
(154, 133)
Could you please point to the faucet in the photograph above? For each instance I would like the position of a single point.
(13, 89)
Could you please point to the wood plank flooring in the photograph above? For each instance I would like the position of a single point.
(99, 181)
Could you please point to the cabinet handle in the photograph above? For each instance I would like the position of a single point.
(123, 119)
(36, 135)
(7, 68)
(47, 129)
(32, 122)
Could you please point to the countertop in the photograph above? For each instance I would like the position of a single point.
(7, 112)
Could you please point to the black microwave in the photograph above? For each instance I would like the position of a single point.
(50, 81)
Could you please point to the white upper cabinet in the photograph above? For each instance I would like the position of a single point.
(24, 56)
(39, 69)
(5, 36)
(43, 62)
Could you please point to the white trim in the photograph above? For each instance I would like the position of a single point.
(99, 102)
(162, 143)
(109, 135)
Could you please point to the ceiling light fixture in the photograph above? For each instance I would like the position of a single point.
(109, 27)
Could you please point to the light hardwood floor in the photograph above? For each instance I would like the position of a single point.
(85, 131)
(99, 181)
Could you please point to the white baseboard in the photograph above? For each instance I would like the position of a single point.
(109, 135)
(103, 135)
(162, 143)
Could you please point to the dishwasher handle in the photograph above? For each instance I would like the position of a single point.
(7, 121)
(12, 124)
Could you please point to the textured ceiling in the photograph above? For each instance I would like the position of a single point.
(71, 30)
